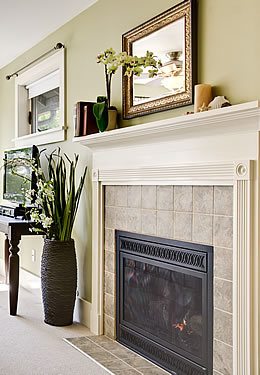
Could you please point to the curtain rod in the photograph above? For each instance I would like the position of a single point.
(58, 46)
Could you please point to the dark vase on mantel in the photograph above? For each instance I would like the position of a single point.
(59, 281)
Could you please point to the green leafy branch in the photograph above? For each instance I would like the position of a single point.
(56, 194)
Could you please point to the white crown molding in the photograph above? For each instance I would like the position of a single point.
(223, 173)
(185, 173)
(228, 120)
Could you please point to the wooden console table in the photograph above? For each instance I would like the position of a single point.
(14, 229)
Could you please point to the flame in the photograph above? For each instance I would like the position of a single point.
(180, 325)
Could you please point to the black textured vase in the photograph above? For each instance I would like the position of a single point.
(59, 281)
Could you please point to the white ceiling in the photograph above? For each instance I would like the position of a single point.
(167, 39)
(24, 23)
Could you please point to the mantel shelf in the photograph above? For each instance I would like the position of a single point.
(223, 120)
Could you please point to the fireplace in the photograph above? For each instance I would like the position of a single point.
(165, 301)
(190, 151)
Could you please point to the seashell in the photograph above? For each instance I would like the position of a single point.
(219, 102)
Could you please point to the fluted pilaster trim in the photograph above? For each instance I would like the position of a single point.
(242, 270)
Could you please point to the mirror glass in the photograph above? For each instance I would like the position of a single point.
(171, 52)
(169, 36)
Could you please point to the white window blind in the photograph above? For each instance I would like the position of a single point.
(45, 84)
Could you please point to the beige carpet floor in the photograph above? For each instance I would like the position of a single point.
(28, 346)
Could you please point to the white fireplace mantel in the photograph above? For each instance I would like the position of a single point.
(234, 119)
(210, 148)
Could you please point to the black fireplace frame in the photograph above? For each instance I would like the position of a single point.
(195, 259)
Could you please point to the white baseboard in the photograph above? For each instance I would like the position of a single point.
(27, 279)
(2, 267)
(82, 312)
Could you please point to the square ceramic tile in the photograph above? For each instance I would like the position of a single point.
(165, 198)
(202, 230)
(149, 222)
(223, 326)
(109, 326)
(165, 224)
(109, 305)
(149, 197)
(182, 226)
(103, 355)
(134, 196)
(110, 217)
(123, 353)
(138, 362)
(223, 263)
(109, 239)
(134, 220)
(109, 195)
(223, 231)
(121, 218)
(223, 294)
(121, 196)
(223, 200)
(127, 372)
(116, 364)
(152, 371)
(100, 340)
(110, 260)
(183, 198)
(223, 358)
(203, 199)
(109, 282)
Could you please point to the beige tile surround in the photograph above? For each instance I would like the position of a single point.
(202, 214)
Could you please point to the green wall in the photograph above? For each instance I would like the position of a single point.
(228, 59)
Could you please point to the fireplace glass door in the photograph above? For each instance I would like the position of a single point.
(163, 305)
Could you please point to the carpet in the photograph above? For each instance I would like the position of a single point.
(31, 347)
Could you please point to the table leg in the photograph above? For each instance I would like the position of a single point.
(7, 245)
(13, 275)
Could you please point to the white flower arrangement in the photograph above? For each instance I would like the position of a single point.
(133, 65)
(56, 199)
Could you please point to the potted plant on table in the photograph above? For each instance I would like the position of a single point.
(57, 199)
(132, 65)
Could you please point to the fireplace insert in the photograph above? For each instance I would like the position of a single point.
(165, 300)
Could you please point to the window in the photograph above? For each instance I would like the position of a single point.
(45, 111)
(40, 103)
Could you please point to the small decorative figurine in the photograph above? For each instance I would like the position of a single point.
(219, 102)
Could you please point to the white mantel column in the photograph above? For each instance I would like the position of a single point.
(242, 284)
(96, 324)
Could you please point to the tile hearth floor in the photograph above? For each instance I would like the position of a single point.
(113, 356)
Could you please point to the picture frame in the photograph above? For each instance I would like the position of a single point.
(171, 36)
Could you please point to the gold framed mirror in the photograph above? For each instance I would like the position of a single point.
(170, 36)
